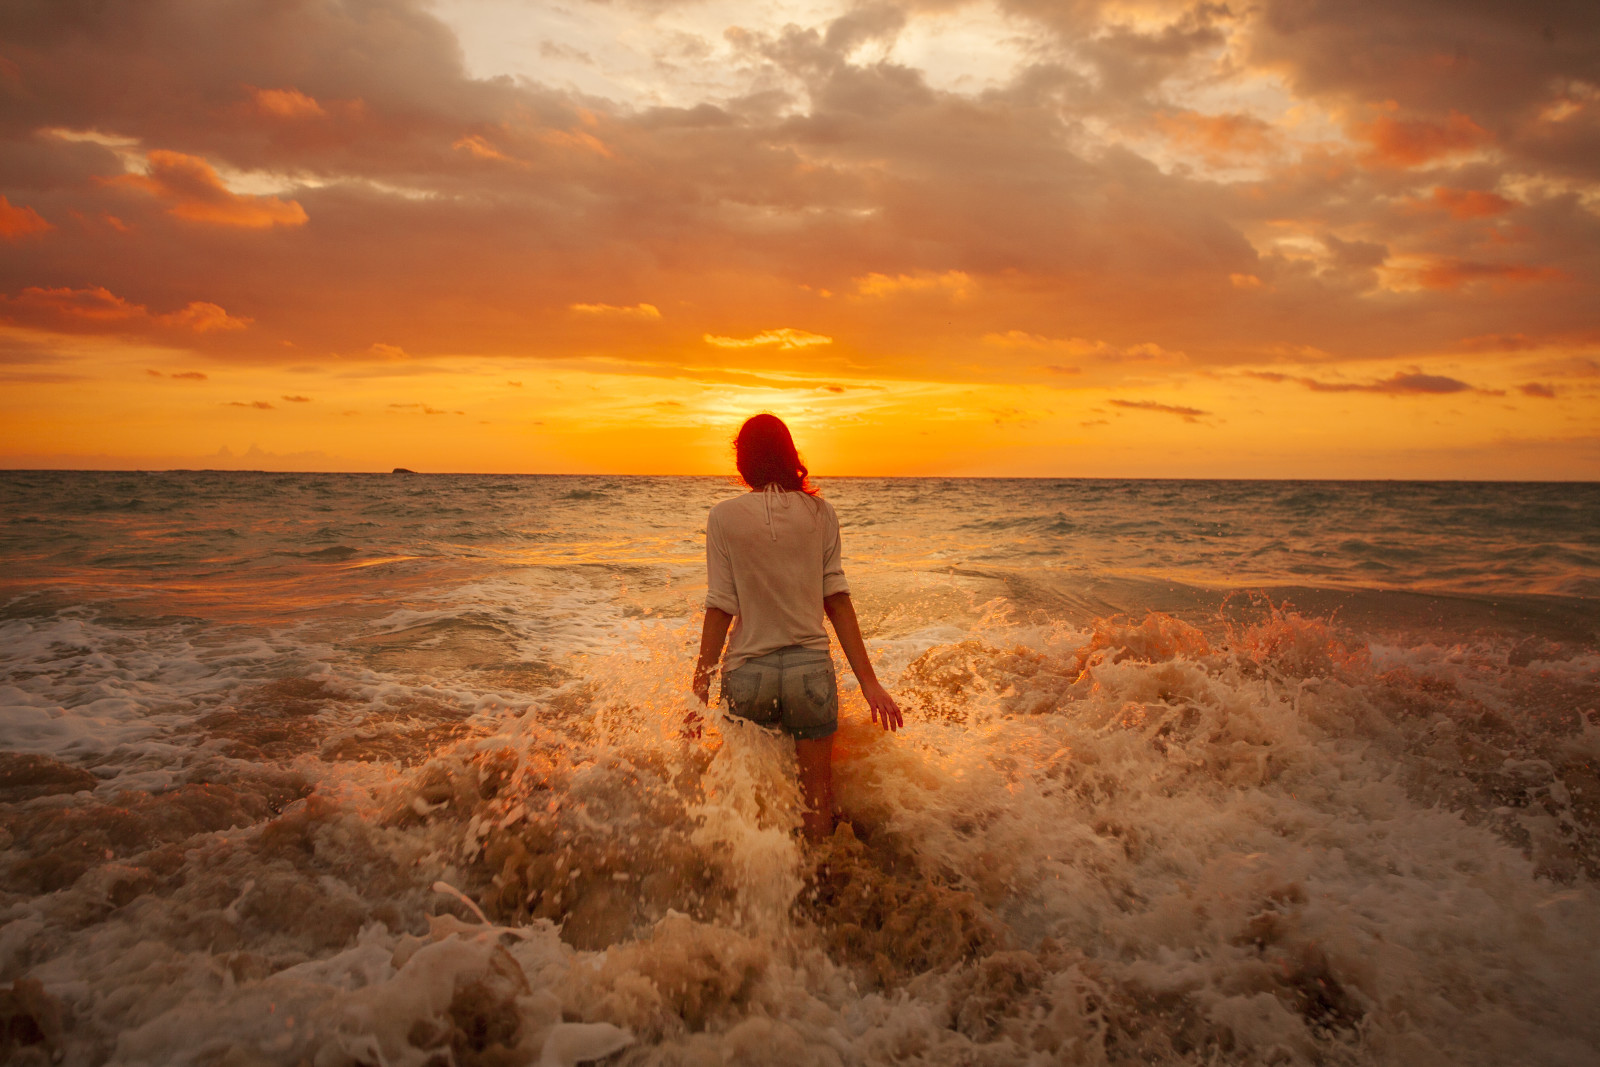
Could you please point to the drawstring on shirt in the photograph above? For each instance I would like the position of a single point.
(767, 492)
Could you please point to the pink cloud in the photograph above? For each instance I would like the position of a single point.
(287, 104)
(20, 221)
(192, 190)
(1412, 142)
(1470, 203)
(97, 309)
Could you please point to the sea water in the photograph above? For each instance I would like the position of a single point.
(354, 769)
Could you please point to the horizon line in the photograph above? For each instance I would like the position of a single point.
(407, 473)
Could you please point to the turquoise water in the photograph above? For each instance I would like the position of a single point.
(1295, 772)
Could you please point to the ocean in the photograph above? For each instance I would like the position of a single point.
(389, 769)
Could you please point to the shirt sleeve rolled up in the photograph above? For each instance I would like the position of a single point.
(833, 580)
(721, 593)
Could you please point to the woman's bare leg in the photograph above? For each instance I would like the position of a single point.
(816, 785)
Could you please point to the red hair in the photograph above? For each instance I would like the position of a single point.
(765, 454)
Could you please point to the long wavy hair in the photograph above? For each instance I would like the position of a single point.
(765, 454)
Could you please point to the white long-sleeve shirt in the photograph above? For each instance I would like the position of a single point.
(771, 557)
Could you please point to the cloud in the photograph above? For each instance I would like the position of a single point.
(97, 309)
(1409, 176)
(1470, 203)
(1538, 389)
(1404, 384)
(202, 317)
(1013, 416)
(1447, 272)
(1412, 142)
(1579, 367)
(190, 375)
(1220, 140)
(1528, 342)
(286, 104)
(425, 409)
(955, 283)
(298, 399)
(851, 175)
(1101, 351)
(479, 147)
(636, 311)
(40, 377)
(1184, 413)
(92, 305)
(192, 191)
(1411, 383)
(1498, 63)
(18, 222)
(784, 338)
(260, 405)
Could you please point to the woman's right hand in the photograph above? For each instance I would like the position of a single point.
(885, 712)
(712, 634)
(693, 721)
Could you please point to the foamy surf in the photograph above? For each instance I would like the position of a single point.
(457, 821)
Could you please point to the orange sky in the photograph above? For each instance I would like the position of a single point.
(1021, 237)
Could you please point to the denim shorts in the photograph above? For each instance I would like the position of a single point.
(793, 688)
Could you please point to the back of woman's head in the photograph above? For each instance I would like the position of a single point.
(765, 454)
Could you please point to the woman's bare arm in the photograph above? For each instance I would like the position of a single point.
(842, 613)
(712, 636)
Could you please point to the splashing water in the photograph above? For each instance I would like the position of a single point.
(429, 799)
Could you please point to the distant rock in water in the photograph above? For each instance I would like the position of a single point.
(403, 470)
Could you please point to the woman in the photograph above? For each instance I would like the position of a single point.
(773, 571)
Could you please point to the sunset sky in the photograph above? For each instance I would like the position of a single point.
(1285, 238)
